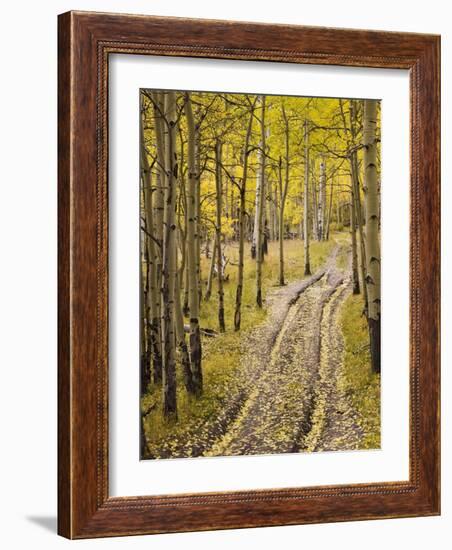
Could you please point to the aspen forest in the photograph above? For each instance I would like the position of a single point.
(260, 261)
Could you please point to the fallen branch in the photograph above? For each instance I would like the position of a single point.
(205, 331)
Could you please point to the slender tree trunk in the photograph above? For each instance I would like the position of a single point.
(239, 290)
(283, 195)
(359, 223)
(159, 203)
(256, 215)
(277, 234)
(232, 200)
(265, 234)
(355, 276)
(211, 272)
(182, 233)
(218, 181)
(180, 334)
(242, 213)
(169, 267)
(322, 201)
(330, 210)
(158, 103)
(186, 279)
(353, 159)
(143, 442)
(281, 227)
(144, 355)
(260, 207)
(198, 211)
(153, 302)
(372, 237)
(192, 252)
(153, 294)
(271, 212)
(307, 261)
(275, 215)
(315, 207)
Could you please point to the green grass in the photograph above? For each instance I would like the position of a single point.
(343, 240)
(251, 315)
(221, 355)
(343, 257)
(362, 386)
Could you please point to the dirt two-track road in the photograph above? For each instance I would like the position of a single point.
(293, 368)
(286, 395)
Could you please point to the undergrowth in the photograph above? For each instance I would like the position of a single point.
(359, 382)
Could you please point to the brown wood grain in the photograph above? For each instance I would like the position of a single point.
(85, 42)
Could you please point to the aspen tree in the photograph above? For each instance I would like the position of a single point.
(315, 205)
(211, 272)
(307, 261)
(158, 200)
(355, 276)
(283, 195)
(357, 194)
(218, 181)
(372, 238)
(180, 334)
(322, 201)
(260, 206)
(169, 264)
(330, 210)
(242, 212)
(159, 196)
(198, 211)
(153, 294)
(192, 253)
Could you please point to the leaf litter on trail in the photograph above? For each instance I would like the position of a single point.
(285, 396)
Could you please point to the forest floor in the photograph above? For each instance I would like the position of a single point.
(300, 382)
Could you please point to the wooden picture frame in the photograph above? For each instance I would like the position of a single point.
(86, 40)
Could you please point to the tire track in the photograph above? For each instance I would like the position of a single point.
(203, 438)
(289, 406)
(334, 422)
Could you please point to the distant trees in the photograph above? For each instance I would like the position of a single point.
(221, 174)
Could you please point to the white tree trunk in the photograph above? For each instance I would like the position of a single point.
(322, 201)
(192, 253)
(372, 236)
(218, 182)
(169, 263)
(260, 207)
(307, 260)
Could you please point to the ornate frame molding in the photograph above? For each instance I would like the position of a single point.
(85, 42)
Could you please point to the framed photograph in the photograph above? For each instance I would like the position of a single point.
(248, 279)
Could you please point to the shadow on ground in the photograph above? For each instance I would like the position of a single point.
(49, 523)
